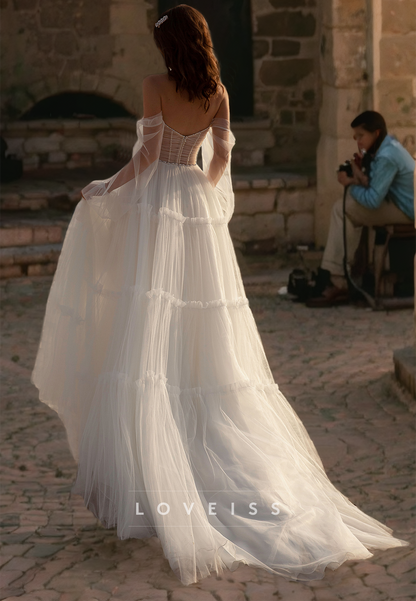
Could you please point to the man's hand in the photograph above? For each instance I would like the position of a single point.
(344, 179)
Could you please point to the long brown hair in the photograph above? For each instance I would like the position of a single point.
(185, 42)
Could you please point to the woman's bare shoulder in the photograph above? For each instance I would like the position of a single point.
(222, 91)
(156, 80)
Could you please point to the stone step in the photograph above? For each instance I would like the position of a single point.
(38, 200)
(31, 242)
(46, 227)
(19, 261)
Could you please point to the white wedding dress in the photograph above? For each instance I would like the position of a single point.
(151, 357)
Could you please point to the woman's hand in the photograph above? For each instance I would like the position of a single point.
(360, 178)
(344, 179)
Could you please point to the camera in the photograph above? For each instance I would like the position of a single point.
(347, 167)
(363, 162)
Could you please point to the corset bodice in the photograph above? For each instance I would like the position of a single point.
(180, 149)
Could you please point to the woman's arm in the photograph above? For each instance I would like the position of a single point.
(149, 151)
(383, 172)
(221, 144)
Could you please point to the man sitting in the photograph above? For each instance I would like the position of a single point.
(385, 197)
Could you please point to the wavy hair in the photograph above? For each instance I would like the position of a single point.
(185, 42)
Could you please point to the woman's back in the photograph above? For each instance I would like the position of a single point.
(178, 112)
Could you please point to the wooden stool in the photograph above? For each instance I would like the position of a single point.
(385, 279)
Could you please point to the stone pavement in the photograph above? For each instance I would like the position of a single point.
(334, 365)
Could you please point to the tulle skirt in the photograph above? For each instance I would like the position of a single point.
(151, 356)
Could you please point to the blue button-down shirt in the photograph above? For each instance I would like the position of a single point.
(390, 177)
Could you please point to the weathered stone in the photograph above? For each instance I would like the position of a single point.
(25, 255)
(285, 47)
(241, 184)
(292, 3)
(259, 227)
(342, 105)
(57, 157)
(15, 146)
(20, 563)
(285, 72)
(56, 14)
(38, 145)
(398, 16)
(300, 228)
(45, 41)
(260, 48)
(285, 23)
(249, 202)
(128, 18)
(286, 117)
(296, 201)
(248, 158)
(93, 19)
(397, 55)
(47, 234)
(101, 54)
(251, 139)
(79, 145)
(259, 183)
(65, 43)
(89, 82)
(79, 162)
(10, 271)
(43, 549)
(15, 236)
(308, 97)
(339, 13)
(42, 269)
(344, 62)
(396, 101)
(25, 4)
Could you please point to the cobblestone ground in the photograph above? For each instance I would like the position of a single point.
(335, 367)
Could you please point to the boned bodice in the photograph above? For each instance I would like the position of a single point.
(180, 149)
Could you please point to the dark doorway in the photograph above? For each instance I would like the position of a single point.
(230, 25)
(75, 105)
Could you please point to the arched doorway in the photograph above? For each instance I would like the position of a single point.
(75, 105)
(230, 25)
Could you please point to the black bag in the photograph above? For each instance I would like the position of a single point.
(298, 284)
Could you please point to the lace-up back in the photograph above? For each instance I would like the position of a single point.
(180, 149)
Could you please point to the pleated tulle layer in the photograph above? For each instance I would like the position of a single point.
(151, 356)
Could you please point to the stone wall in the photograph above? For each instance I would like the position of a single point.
(345, 93)
(52, 46)
(368, 58)
(273, 212)
(70, 143)
(394, 80)
(287, 80)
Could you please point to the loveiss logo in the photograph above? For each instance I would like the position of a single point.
(163, 508)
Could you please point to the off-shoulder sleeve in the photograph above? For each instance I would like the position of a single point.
(216, 161)
(112, 197)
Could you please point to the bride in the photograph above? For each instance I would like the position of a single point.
(150, 354)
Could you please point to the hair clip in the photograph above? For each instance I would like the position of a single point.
(162, 20)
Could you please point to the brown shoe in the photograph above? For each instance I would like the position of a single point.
(331, 295)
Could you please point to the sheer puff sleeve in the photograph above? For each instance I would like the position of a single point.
(216, 161)
(113, 197)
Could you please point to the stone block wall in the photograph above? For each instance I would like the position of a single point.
(277, 212)
(287, 79)
(68, 143)
(52, 46)
(346, 92)
(395, 68)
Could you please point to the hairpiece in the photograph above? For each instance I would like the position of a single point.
(162, 20)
